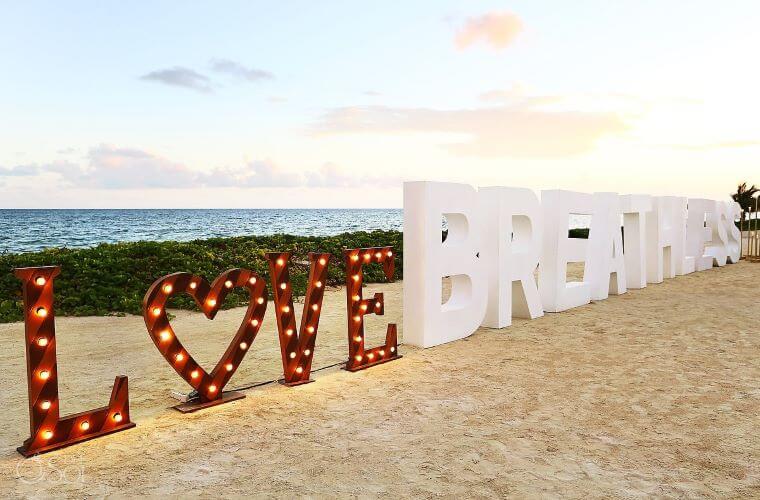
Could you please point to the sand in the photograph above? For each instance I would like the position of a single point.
(656, 392)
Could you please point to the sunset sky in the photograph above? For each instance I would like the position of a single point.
(334, 104)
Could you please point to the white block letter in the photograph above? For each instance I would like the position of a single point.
(634, 208)
(605, 267)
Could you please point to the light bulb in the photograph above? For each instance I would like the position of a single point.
(228, 284)
(292, 355)
(252, 281)
(243, 346)
(212, 388)
(363, 307)
(283, 286)
(318, 284)
(358, 338)
(315, 307)
(381, 352)
(179, 357)
(322, 261)
(367, 256)
(299, 370)
(289, 332)
(370, 356)
(165, 335)
(84, 425)
(260, 300)
(357, 298)
(194, 374)
(47, 434)
(156, 311)
(167, 288)
(390, 254)
(229, 367)
(193, 285)
(393, 349)
(355, 277)
(280, 262)
(117, 417)
(45, 405)
(307, 352)
(41, 312)
(358, 357)
(285, 309)
(40, 280)
(42, 341)
(354, 258)
(357, 318)
(255, 322)
(44, 374)
(377, 304)
(211, 302)
(378, 255)
(310, 329)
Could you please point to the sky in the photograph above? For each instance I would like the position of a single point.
(335, 104)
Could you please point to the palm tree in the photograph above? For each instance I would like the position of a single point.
(745, 197)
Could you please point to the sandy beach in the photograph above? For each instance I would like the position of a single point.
(656, 392)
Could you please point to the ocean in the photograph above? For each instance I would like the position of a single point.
(25, 230)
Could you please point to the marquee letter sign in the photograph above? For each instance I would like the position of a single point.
(48, 430)
(297, 347)
(209, 298)
(360, 358)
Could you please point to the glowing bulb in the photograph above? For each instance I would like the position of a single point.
(363, 307)
(354, 258)
(42, 341)
(84, 425)
(193, 285)
(44, 374)
(289, 332)
(252, 281)
(378, 255)
(255, 322)
(243, 346)
(307, 352)
(310, 329)
(194, 374)
(117, 417)
(179, 357)
(357, 298)
(358, 357)
(165, 335)
(45, 405)
(315, 307)
(357, 318)
(168, 288)
(40, 280)
(47, 434)
(370, 356)
(358, 338)
(212, 388)
(292, 355)
(156, 311)
(318, 284)
(285, 309)
(377, 304)
(322, 261)
(299, 370)
(367, 256)
(41, 312)
(211, 302)
(390, 254)
(280, 262)
(381, 352)
(229, 367)
(355, 277)
(283, 286)
(393, 349)
(260, 300)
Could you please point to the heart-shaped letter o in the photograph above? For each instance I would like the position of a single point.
(209, 298)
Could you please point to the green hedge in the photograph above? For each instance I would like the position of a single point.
(113, 278)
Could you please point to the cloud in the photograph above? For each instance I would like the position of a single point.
(498, 29)
(521, 129)
(239, 71)
(109, 167)
(180, 77)
(714, 145)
